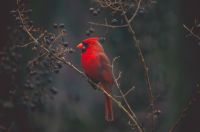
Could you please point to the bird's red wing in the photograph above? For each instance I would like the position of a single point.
(105, 70)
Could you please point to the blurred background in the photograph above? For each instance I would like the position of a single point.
(73, 105)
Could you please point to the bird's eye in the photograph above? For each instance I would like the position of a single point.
(85, 44)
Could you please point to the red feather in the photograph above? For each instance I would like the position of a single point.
(97, 67)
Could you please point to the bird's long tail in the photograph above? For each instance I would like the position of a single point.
(109, 116)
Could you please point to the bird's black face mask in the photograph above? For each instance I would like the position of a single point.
(85, 46)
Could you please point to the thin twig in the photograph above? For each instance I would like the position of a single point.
(122, 94)
(146, 69)
(126, 94)
(136, 11)
(27, 44)
(25, 28)
(191, 32)
(108, 25)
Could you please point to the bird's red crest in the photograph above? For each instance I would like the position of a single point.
(91, 40)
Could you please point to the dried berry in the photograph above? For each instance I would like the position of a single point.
(91, 30)
(87, 33)
(98, 10)
(13, 12)
(114, 21)
(54, 90)
(95, 13)
(61, 25)
(55, 25)
(29, 11)
(91, 9)
(65, 44)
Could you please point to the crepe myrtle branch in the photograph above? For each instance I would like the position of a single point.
(129, 114)
(146, 70)
(108, 25)
(117, 79)
(126, 93)
(136, 11)
(191, 32)
(118, 85)
(122, 94)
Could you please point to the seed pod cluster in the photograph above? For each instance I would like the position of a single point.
(44, 47)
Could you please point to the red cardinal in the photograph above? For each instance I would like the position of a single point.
(97, 67)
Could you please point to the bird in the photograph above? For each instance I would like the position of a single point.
(97, 67)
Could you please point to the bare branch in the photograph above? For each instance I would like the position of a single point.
(136, 11)
(122, 94)
(146, 69)
(127, 92)
(108, 25)
(191, 32)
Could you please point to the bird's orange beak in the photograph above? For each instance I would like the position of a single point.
(79, 46)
